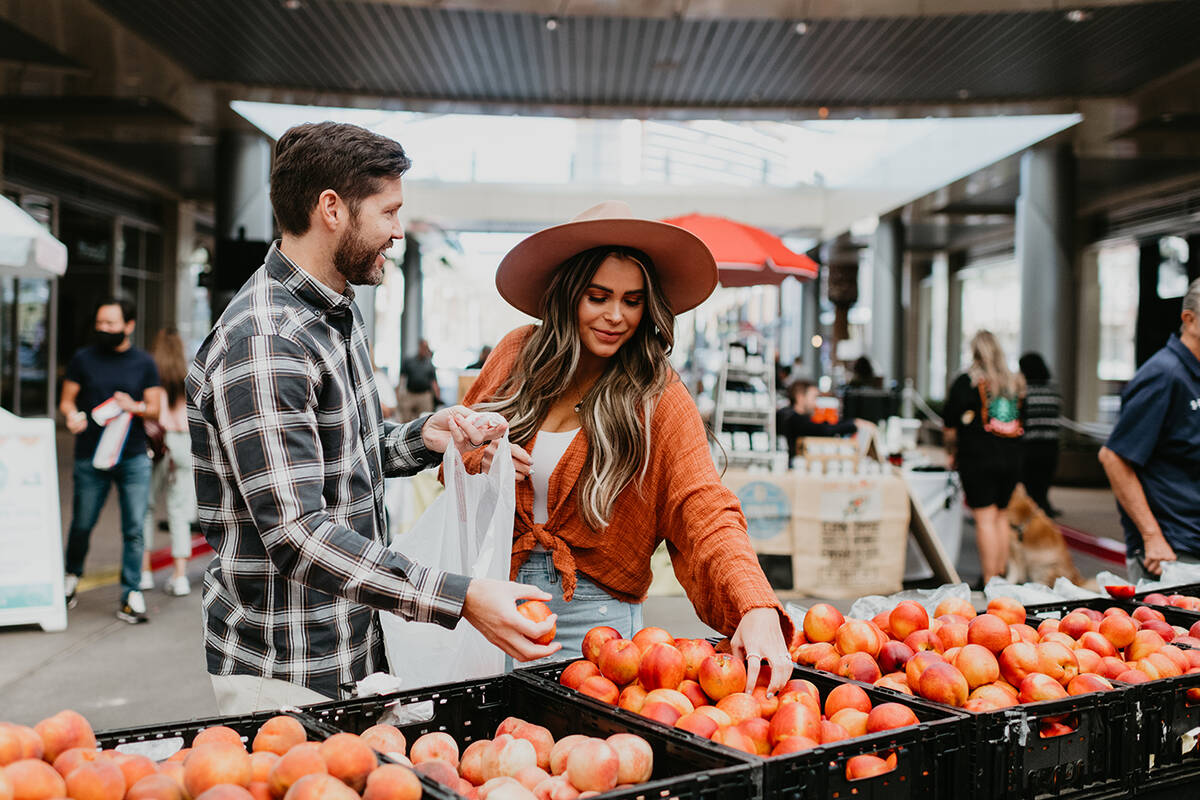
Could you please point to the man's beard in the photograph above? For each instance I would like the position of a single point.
(354, 257)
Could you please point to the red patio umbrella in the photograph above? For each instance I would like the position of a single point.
(746, 255)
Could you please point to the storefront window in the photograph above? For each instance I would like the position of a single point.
(1118, 272)
(8, 364)
(1172, 269)
(88, 236)
(991, 300)
(33, 345)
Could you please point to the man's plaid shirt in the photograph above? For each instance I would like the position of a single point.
(289, 454)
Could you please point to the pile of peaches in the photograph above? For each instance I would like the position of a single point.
(59, 758)
(989, 661)
(1185, 601)
(687, 684)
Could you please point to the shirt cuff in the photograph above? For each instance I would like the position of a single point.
(452, 596)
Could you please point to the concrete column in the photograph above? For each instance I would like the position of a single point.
(410, 319)
(243, 191)
(1045, 255)
(887, 317)
(954, 321)
(810, 326)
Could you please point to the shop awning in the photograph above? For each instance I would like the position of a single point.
(27, 250)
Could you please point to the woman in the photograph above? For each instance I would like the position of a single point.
(173, 472)
(983, 439)
(1043, 407)
(611, 440)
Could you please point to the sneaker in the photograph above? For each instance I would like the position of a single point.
(178, 587)
(147, 580)
(134, 609)
(71, 586)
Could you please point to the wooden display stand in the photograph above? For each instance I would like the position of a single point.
(31, 556)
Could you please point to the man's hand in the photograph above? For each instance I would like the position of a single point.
(522, 461)
(462, 427)
(127, 403)
(491, 608)
(77, 422)
(1157, 551)
(759, 640)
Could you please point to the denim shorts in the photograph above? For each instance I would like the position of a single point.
(589, 607)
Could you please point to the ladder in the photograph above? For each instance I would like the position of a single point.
(745, 398)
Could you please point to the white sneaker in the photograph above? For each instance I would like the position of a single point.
(147, 581)
(70, 587)
(178, 587)
(134, 609)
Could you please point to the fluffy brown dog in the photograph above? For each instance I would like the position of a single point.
(1037, 551)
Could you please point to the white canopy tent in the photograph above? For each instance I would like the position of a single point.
(27, 250)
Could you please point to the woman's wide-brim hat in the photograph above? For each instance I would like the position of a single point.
(686, 270)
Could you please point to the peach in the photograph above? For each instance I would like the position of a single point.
(619, 661)
(98, 780)
(1058, 637)
(1143, 614)
(648, 636)
(303, 759)
(1098, 643)
(672, 697)
(133, 767)
(261, 764)
(810, 654)
(717, 715)
(897, 682)
(952, 634)
(697, 723)
(989, 698)
(219, 734)
(955, 605)
(226, 791)
(61, 732)
(1024, 633)
(155, 787)
(562, 749)
(1167, 632)
(537, 611)
(821, 623)
(758, 731)
(768, 704)
(541, 739)
(385, 739)
(632, 698)
(1017, 661)
(470, 764)
(918, 664)
(859, 767)
(532, 777)
(1089, 660)
(11, 748)
(320, 787)
(1009, 610)
(212, 764)
(722, 675)
(794, 744)
(278, 735)
(1144, 643)
(846, 695)
(635, 758)
(662, 667)
(593, 765)
(1133, 676)
(887, 716)
(853, 720)
(662, 712)
(943, 683)
(173, 770)
(513, 756)
(855, 636)
(1175, 654)
(923, 640)
(1047, 626)
(1037, 687)
(601, 688)
(1087, 682)
(436, 745)
(694, 652)
(31, 779)
(555, 788)
(732, 736)
(795, 719)
(392, 782)
(694, 692)
(739, 706)
(830, 662)
(595, 639)
(438, 770)
(858, 667)
(576, 672)
(832, 732)
(349, 759)
(893, 656)
(1076, 624)
(69, 760)
(906, 618)
(1111, 667)
(977, 664)
(804, 686)
(1057, 661)
(1165, 666)
(990, 631)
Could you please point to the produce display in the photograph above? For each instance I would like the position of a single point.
(1188, 602)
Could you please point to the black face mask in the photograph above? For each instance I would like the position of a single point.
(108, 340)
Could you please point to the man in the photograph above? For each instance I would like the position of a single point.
(111, 369)
(1152, 457)
(290, 452)
(484, 352)
(420, 382)
(795, 421)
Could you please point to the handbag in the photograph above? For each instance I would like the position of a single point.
(156, 439)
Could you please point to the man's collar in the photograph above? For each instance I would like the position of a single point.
(1186, 356)
(304, 286)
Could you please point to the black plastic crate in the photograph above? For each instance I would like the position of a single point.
(1192, 589)
(932, 758)
(472, 710)
(1173, 616)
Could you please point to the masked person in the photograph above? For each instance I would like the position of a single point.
(113, 370)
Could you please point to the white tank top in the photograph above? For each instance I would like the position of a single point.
(548, 450)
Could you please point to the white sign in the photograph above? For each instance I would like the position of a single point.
(31, 565)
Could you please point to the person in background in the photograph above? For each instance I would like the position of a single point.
(864, 396)
(484, 352)
(795, 420)
(173, 472)
(983, 441)
(1043, 407)
(420, 383)
(111, 369)
(1152, 457)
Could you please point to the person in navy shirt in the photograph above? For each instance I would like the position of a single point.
(1152, 457)
(111, 369)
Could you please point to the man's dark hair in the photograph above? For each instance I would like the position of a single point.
(128, 309)
(798, 387)
(313, 157)
(1034, 368)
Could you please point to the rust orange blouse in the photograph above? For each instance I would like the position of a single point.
(681, 500)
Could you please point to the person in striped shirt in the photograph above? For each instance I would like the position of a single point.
(1043, 407)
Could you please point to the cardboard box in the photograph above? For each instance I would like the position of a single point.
(767, 500)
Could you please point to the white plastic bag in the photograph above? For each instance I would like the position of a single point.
(467, 530)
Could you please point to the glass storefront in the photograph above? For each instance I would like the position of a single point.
(27, 308)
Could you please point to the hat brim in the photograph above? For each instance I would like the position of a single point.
(686, 270)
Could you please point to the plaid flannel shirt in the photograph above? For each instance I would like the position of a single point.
(289, 456)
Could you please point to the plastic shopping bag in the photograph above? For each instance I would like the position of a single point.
(116, 430)
(467, 530)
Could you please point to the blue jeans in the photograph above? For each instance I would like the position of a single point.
(132, 477)
(589, 607)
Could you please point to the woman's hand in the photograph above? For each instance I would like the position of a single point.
(462, 427)
(759, 640)
(522, 461)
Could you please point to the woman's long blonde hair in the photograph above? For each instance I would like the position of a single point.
(615, 413)
(167, 352)
(989, 366)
